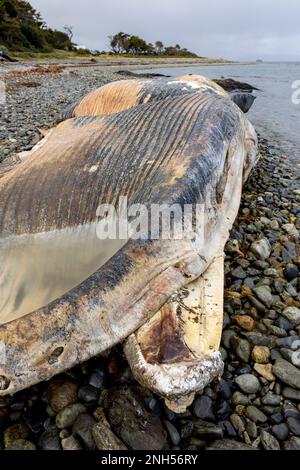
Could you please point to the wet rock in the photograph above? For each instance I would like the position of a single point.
(88, 394)
(292, 356)
(229, 444)
(276, 418)
(21, 444)
(245, 321)
(82, 429)
(251, 429)
(104, 437)
(260, 354)
(268, 441)
(66, 417)
(49, 440)
(280, 431)
(287, 373)
(61, 393)
(70, 443)
(291, 393)
(258, 339)
(255, 414)
(173, 433)
(187, 430)
(207, 430)
(248, 383)
(264, 295)
(242, 348)
(239, 398)
(292, 314)
(227, 337)
(203, 408)
(261, 249)
(290, 410)
(132, 422)
(14, 433)
(271, 400)
(292, 444)
(97, 379)
(238, 273)
(291, 230)
(237, 423)
(294, 425)
(292, 342)
(223, 410)
(35, 416)
(223, 389)
(291, 272)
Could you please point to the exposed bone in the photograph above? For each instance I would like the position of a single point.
(179, 359)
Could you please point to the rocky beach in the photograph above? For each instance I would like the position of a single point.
(256, 403)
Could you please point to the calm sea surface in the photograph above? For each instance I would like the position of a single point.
(273, 112)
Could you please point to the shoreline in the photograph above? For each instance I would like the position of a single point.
(133, 64)
(255, 405)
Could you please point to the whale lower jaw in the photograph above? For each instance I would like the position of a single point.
(175, 354)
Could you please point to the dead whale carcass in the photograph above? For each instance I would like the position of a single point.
(66, 295)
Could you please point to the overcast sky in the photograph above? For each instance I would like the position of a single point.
(233, 29)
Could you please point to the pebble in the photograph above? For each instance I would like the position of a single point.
(173, 433)
(292, 444)
(66, 417)
(70, 443)
(271, 400)
(248, 383)
(61, 393)
(104, 437)
(255, 414)
(49, 440)
(203, 408)
(264, 295)
(268, 441)
(291, 393)
(241, 348)
(260, 354)
(237, 423)
(88, 394)
(14, 433)
(127, 415)
(245, 321)
(293, 315)
(280, 431)
(287, 373)
(261, 249)
(229, 444)
(21, 444)
(82, 429)
(294, 425)
(239, 398)
(207, 430)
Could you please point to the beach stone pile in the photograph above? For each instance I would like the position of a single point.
(256, 403)
(35, 100)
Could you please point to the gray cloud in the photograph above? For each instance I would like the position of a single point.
(233, 29)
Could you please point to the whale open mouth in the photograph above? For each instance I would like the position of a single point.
(176, 353)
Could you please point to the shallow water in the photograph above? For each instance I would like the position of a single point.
(273, 111)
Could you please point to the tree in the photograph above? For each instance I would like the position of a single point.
(119, 43)
(69, 30)
(159, 47)
(137, 45)
(23, 28)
